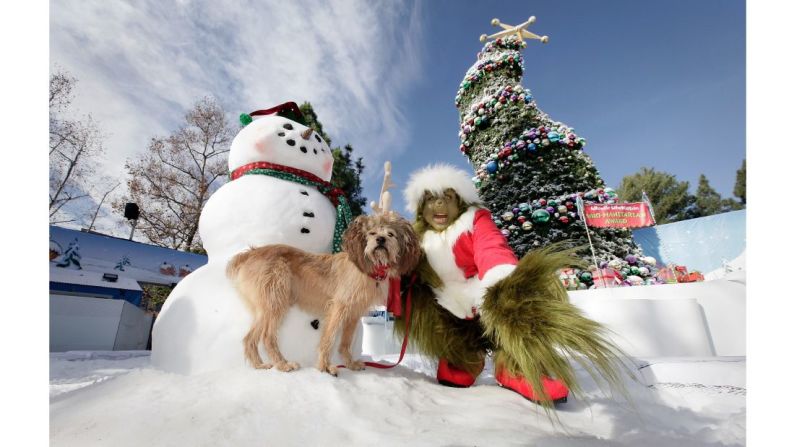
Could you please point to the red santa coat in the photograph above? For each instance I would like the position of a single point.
(469, 256)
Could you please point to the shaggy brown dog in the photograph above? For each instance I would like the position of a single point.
(341, 286)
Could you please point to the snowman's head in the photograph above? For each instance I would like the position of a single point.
(280, 140)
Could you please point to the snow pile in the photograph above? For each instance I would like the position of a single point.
(123, 401)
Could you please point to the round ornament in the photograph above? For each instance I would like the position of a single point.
(507, 216)
(526, 226)
(541, 216)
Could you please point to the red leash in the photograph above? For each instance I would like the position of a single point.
(407, 330)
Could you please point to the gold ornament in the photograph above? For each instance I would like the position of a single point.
(518, 30)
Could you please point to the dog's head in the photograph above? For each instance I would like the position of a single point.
(382, 240)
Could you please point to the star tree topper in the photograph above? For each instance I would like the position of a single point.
(518, 30)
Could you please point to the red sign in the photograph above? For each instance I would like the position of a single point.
(619, 215)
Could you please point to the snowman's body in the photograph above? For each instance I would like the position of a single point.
(202, 323)
(266, 210)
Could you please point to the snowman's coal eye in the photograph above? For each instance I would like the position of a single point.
(318, 139)
(288, 126)
(291, 142)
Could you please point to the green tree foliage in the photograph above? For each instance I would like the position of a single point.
(739, 188)
(670, 198)
(707, 201)
(154, 295)
(347, 170)
(521, 155)
(347, 177)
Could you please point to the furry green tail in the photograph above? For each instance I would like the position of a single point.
(528, 317)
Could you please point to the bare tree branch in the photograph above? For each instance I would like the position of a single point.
(75, 146)
(172, 181)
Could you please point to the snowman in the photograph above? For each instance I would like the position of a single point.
(279, 193)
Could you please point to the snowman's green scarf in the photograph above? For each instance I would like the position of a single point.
(334, 194)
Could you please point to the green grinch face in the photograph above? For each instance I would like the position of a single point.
(439, 211)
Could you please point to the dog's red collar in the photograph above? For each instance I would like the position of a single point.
(380, 272)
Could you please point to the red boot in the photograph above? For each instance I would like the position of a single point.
(556, 391)
(449, 375)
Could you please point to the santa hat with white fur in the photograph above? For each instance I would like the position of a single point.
(437, 178)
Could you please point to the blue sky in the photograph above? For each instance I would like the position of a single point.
(657, 84)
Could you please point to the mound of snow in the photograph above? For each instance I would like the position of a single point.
(401, 406)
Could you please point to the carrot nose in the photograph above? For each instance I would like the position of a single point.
(306, 133)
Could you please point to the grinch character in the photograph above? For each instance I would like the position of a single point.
(471, 296)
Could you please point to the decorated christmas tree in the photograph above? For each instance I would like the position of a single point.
(529, 168)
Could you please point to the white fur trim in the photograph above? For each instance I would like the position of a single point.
(496, 274)
(458, 294)
(459, 297)
(436, 178)
(438, 246)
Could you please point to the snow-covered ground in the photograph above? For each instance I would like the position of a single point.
(117, 398)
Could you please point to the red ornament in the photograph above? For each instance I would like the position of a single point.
(521, 219)
(542, 202)
(564, 219)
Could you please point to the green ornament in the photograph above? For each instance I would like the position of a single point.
(635, 270)
(541, 216)
(586, 277)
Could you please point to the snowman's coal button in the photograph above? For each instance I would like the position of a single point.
(304, 192)
(291, 142)
(303, 149)
(288, 126)
(305, 231)
(315, 324)
(308, 214)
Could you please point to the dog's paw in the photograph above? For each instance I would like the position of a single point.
(355, 365)
(263, 365)
(330, 369)
(287, 366)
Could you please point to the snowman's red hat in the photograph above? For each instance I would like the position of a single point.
(437, 178)
(288, 110)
